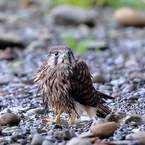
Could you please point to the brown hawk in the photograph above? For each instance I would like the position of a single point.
(65, 83)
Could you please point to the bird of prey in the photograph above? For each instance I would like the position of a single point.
(66, 85)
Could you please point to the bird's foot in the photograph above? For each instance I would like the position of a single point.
(56, 120)
(45, 120)
(71, 120)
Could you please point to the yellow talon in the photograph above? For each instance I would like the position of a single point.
(56, 120)
(45, 120)
(72, 118)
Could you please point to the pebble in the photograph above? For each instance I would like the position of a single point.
(9, 118)
(78, 141)
(129, 88)
(87, 135)
(129, 16)
(98, 78)
(92, 139)
(130, 119)
(56, 126)
(66, 15)
(114, 117)
(47, 142)
(35, 111)
(64, 135)
(68, 134)
(137, 135)
(105, 87)
(131, 62)
(10, 40)
(58, 135)
(120, 142)
(104, 130)
(7, 78)
(101, 45)
(9, 130)
(33, 46)
(1, 128)
(9, 54)
(37, 139)
(2, 139)
(22, 141)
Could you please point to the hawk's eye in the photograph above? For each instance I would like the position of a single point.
(56, 53)
(69, 53)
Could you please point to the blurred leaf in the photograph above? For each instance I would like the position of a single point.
(13, 65)
(79, 3)
(97, 49)
(17, 63)
(70, 41)
(137, 4)
(82, 47)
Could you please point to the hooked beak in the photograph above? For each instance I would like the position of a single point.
(63, 56)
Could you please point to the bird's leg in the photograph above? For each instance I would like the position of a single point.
(72, 117)
(56, 118)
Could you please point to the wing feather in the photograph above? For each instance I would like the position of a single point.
(82, 89)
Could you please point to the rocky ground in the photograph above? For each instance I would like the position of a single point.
(115, 56)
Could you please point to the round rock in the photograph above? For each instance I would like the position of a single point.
(137, 135)
(9, 118)
(37, 139)
(47, 142)
(104, 130)
(128, 16)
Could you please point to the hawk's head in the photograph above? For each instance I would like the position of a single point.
(61, 56)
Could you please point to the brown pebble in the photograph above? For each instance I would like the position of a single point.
(141, 141)
(129, 16)
(9, 118)
(104, 130)
(92, 140)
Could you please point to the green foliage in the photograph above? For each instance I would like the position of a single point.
(79, 47)
(16, 64)
(79, 3)
(137, 4)
(97, 49)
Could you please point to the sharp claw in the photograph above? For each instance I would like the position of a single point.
(45, 120)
